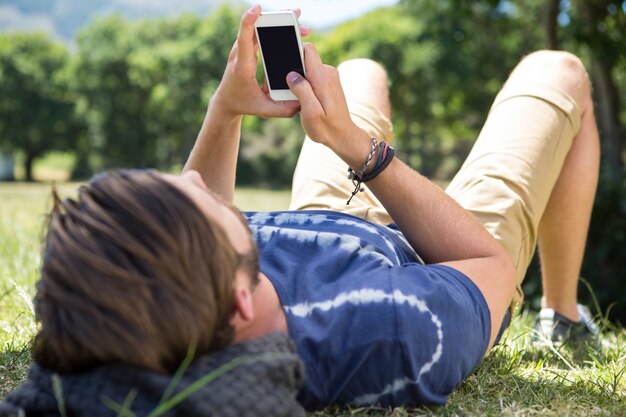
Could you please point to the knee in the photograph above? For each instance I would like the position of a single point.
(563, 70)
(362, 67)
(564, 63)
(366, 81)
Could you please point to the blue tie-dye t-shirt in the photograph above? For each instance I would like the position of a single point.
(372, 324)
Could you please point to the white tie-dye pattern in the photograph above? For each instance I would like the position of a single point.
(397, 385)
(346, 243)
(363, 296)
(371, 229)
(299, 218)
(259, 218)
(283, 218)
(368, 296)
(361, 225)
(349, 244)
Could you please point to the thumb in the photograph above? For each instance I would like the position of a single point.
(301, 88)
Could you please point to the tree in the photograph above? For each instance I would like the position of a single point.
(433, 53)
(144, 86)
(600, 27)
(183, 68)
(109, 103)
(36, 110)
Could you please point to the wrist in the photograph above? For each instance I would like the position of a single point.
(354, 148)
(221, 109)
(219, 125)
(378, 158)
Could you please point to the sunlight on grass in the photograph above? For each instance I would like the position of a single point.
(23, 210)
(254, 199)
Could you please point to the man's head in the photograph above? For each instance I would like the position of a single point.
(138, 269)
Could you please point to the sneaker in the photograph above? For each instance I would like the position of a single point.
(554, 329)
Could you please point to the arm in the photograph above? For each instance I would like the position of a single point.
(433, 223)
(214, 154)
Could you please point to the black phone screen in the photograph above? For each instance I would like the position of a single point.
(280, 53)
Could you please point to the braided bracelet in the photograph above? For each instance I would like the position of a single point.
(385, 156)
(384, 159)
(356, 178)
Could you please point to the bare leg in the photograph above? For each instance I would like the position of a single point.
(562, 231)
(366, 81)
(532, 174)
(565, 222)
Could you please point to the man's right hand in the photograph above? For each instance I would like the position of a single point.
(239, 92)
(324, 112)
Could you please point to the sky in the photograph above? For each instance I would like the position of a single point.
(62, 18)
(324, 13)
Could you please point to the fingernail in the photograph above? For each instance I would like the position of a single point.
(293, 77)
(253, 9)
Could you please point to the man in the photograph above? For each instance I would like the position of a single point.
(370, 321)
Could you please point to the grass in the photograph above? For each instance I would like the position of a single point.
(517, 379)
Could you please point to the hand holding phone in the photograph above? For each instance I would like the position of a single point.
(324, 112)
(278, 35)
(239, 92)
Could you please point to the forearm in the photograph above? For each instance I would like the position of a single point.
(437, 227)
(214, 154)
(440, 230)
(434, 224)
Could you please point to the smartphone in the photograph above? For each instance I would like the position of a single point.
(281, 51)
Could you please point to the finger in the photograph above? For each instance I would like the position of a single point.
(271, 108)
(305, 30)
(312, 61)
(288, 108)
(233, 52)
(332, 96)
(301, 88)
(245, 37)
(264, 86)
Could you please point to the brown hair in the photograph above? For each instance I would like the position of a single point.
(133, 272)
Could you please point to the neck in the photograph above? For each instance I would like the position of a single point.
(268, 317)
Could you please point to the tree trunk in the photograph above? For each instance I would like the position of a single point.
(7, 164)
(28, 166)
(607, 111)
(605, 91)
(550, 24)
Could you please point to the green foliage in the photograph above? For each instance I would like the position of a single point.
(269, 152)
(143, 88)
(605, 261)
(435, 57)
(36, 110)
(600, 24)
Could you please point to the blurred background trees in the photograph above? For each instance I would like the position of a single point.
(36, 109)
(133, 93)
(142, 88)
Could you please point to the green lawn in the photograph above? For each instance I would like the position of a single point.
(515, 380)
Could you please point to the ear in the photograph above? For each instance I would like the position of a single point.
(243, 308)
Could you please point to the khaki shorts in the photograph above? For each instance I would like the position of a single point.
(320, 181)
(505, 182)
